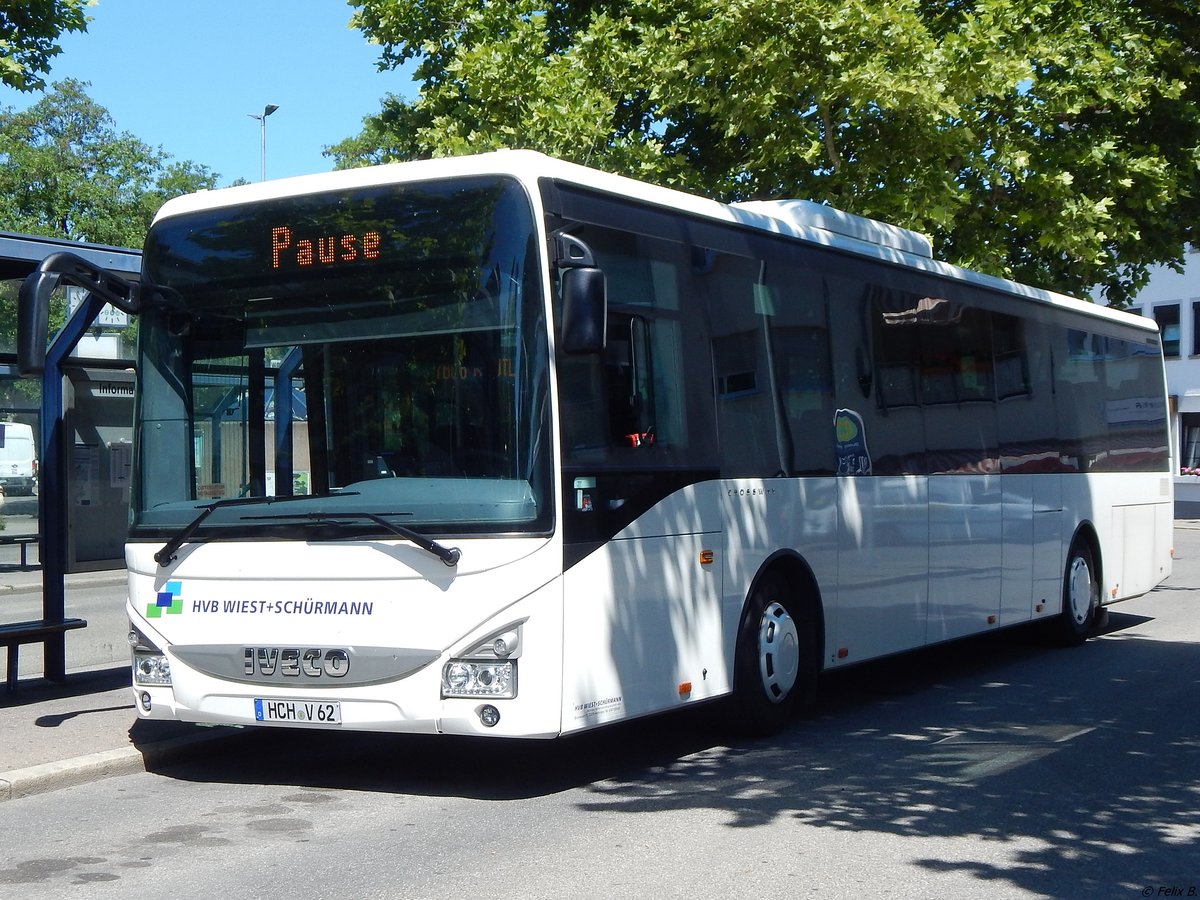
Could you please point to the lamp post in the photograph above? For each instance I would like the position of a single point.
(262, 124)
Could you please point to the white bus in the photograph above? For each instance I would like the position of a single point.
(549, 448)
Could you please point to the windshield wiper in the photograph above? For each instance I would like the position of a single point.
(169, 549)
(448, 555)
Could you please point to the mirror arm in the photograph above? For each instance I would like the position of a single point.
(67, 267)
(572, 253)
(33, 301)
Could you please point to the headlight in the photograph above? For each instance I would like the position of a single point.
(151, 668)
(479, 678)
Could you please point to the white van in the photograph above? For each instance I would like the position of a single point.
(18, 459)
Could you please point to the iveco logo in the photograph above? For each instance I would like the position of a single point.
(311, 662)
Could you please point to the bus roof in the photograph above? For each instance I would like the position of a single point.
(801, 219)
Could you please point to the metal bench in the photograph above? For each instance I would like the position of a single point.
(22, 540)
(14, 634)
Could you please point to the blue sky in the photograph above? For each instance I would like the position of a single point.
(185, 76)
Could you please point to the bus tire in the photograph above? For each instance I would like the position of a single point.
(776, 665)
(1081, 597)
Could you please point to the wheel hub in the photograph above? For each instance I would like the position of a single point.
(778, 652)
(1081, 591)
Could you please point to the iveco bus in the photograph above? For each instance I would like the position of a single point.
(502, 445)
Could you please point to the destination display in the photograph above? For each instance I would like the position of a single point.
(290, 249)
(400, 240)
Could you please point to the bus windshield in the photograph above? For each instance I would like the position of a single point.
(381, 352)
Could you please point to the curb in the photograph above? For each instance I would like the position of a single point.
(35, 587)
(68, 772)
(129, 760)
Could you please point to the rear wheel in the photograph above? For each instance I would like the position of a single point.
(777, 664)
(1081, 597)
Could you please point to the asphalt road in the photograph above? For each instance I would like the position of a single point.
(20, 513)
(994, 767)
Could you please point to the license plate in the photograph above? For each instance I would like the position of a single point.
(319, 712)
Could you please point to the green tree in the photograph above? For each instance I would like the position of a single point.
(65, 171)
(28, 32)
(1053, 141)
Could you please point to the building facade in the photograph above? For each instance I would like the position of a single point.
(1173, 300)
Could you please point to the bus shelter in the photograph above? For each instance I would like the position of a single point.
(74, 515)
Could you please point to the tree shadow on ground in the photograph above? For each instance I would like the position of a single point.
(1082, 766)
(1077, 767)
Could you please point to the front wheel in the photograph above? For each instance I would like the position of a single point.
(1081, 597)
(776, 665)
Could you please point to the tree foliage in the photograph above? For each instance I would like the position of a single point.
(1053, 141)
(65, 171)
(29, 30)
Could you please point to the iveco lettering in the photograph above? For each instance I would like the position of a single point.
(311, 663)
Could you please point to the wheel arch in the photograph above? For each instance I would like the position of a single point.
(1086, 533)
(805, 589)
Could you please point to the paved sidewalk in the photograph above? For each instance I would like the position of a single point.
(55, 735)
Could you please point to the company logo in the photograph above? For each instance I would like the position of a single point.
(294, 662)
(168, 601)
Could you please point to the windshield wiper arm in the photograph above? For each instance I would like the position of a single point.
(448, 555)
(171, 547)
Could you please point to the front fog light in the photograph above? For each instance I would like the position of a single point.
(477, 678)
(151, 668)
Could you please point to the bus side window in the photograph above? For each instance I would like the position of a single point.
(749, 424)
(629, 379)
(643, 402)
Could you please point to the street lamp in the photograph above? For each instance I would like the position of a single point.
(262, 122)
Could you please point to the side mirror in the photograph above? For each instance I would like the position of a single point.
(584, 311)
(584, 298)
